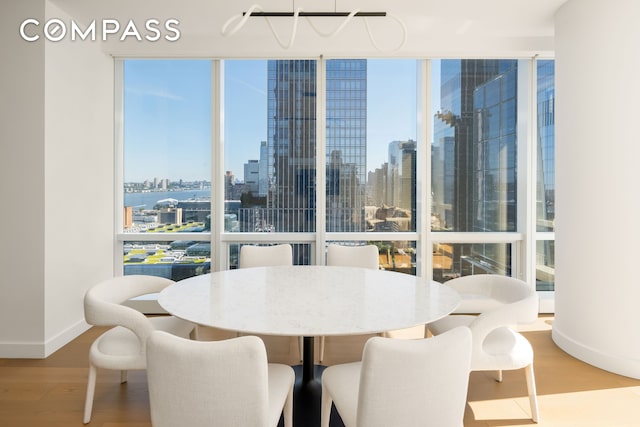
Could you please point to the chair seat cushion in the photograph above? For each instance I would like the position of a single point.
(475, 303)
(173, 325)
(449, 322)
(120, 348)
(343, 382)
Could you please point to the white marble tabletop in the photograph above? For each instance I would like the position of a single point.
(308, 300)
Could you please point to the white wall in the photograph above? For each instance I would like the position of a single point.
(56, 168)
(22, 182)
(597, 176)
(79, 180)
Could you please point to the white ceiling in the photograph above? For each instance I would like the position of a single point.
(434, 27)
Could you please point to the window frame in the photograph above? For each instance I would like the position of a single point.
(523, 241)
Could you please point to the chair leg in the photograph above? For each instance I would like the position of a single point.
(300, 347)
(499, 376)
(91, 388)
(321, 349)
(287, 411)
(124, 376)
(531, 388)
(325, 407)
(194, 335)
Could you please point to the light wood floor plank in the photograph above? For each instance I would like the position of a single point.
(50, 392)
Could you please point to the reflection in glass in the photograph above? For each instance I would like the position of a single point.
(397, 256)
(545, 265)
(301, 253)
(474, 147)
(473, 156)
(546, 146)
(455, 260)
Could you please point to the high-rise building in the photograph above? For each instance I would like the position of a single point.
(346, 136)
(545, 206)
(263, 170)
(291, 145)
(229, 183)
(545, 146)
(251, 176)
(474, 156)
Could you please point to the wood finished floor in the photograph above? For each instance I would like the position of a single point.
(50, 392)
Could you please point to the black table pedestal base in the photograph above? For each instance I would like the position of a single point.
(307, 398)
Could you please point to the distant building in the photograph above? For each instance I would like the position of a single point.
(252, 176)
(263, 170)
(291, 147)
(229, 182)
(170, 216)
(128, 217)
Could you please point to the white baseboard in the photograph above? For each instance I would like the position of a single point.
(42, 350)
(608, 362)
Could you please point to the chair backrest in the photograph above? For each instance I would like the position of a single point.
(492, 330)
(488, 292)
(407, 383)
(207, 383)
(103, 302)
(265, 256)
(365, 256)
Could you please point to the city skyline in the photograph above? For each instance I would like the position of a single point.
(167, 115)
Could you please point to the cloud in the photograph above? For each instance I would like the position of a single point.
(248, 85)
(156, 93)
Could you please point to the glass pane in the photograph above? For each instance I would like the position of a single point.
(457, 259)
(167, 146)
(175, 260)
(371, 145)
(473, 152)
(394, 255)
(545, 265)
(301, 253)
(167, 152)
(270, 135)
(546, 145)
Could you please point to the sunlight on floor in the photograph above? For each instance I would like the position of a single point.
(611, 407)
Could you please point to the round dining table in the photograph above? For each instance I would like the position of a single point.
(308, 301)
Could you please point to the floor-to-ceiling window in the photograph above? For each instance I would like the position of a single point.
(316, 151)
(474, 172)
(545, 175)
(165, 112)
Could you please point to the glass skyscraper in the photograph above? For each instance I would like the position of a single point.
(346, 136)
(291, 145)
(474, 157)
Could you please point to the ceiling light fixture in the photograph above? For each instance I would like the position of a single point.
(257, 11)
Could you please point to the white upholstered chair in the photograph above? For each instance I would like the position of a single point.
(123, 347)
(502, 303)
(267, 256)
(364, 256)
(216, 383)
(402, 383)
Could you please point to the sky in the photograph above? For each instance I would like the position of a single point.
(168, 115)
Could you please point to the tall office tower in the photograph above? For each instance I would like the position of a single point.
(229, 183)
(545, 146)
(545, 201)
(263, 170)
(401, 175)
(291, 145)
(346, 136)
(251, 176)
(475, 138)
